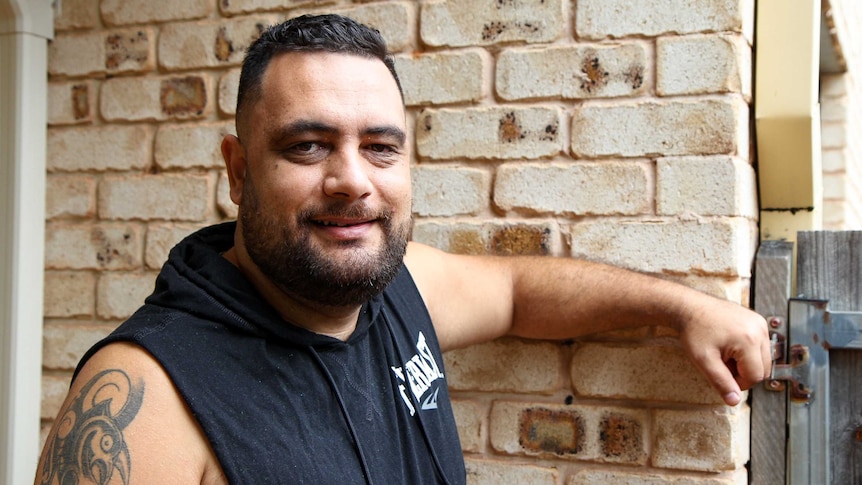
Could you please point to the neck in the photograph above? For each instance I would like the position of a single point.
(333, 321)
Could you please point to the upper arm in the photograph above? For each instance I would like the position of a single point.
(469, 298)
(124, 422)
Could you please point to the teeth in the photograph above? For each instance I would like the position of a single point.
(327, 223)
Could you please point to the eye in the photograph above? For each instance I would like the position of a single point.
(381, 148)
(305, 147)
(305, 152)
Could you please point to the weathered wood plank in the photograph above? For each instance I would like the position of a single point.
(830, 267)
(772, 283)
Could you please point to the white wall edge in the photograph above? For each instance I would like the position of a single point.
(25, 27)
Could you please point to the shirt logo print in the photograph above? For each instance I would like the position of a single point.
(420, 373)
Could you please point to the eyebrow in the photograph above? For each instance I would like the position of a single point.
(301, 126)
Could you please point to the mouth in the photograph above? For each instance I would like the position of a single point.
(336, 223)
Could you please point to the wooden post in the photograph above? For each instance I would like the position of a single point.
(768, 407)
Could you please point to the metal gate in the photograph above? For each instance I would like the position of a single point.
(807, 419)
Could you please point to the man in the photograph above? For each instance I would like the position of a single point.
(303, 344)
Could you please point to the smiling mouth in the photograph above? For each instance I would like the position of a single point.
(340, 224)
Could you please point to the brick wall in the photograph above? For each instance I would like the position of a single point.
(841, 121)
(614, 130)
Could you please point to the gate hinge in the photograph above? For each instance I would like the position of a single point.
(795, 370)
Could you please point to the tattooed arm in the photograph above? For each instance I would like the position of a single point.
(123, 422)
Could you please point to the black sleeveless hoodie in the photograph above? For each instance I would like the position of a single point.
(280, 404)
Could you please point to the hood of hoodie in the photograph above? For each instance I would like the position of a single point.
(197, 279)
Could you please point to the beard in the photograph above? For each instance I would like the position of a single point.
(287, 256)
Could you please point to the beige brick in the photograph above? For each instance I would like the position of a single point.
(227, 91)
(617, 477)
(597, 19)
(706, 127)
(470, 416)
(194, 45)
(130, 50)
(122, 12)
(54, 390)
(64, 345)
(709, 440)
(118, 295)
(533, 238)
(835, 186)
(699, 64)
(575, 188)
(712, 186)
(833, 85)
(396, 21)
(458, 238)
(71, 102)
(834, 160)
(126, 50)
(233, 7)
(443, 78)
(590, 433)
(186, 145)
(145, 197)
(147, 99)
(70, 196)
(99, 148)
(642, 372)
(76, 14)
(92, 246)
(508, 365)
(833, 214)
(161, 238)
(488, 472)
(833, 109)
(69, 294)
(459, 23)
(76, 54)
(583, 71)
(833, 135)
(450, 190)
(715, 247)
(733, 289)
(225, 205)
(497, 132)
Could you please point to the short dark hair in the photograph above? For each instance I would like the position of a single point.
(308, 33)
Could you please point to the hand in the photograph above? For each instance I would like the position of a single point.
(729, 344)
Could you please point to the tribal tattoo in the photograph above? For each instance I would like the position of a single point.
(87, 445)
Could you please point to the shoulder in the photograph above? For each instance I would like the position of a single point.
(123, 418)
(469, 298)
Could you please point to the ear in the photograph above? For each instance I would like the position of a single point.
(234, 160)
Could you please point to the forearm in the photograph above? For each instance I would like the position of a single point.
(566, 298)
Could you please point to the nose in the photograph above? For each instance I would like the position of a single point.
(347, 176)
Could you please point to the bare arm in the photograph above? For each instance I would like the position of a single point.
(477, 298)
(124, 423)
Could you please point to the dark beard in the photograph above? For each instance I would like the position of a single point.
(289, 260)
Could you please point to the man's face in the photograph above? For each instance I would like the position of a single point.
(325, 199)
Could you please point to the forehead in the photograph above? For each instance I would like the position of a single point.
(321, 84)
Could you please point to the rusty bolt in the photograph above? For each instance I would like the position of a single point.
(859, 434)
(774, 322)
(774, 385)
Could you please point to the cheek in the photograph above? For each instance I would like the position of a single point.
(293, 188)
(397, 188)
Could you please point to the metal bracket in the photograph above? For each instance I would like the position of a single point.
(813, 331)
(795, 371)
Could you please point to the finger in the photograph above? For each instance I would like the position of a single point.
(766, 351)
(750, 367)
(719, 375)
